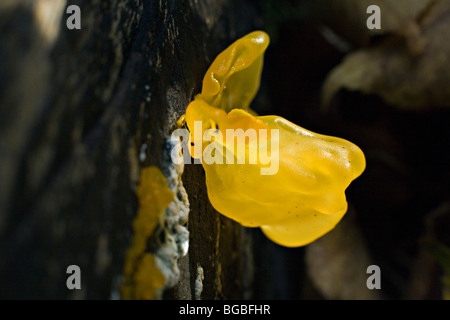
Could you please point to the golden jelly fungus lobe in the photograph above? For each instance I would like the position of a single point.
(304, 198)
(233, 78)
(216, 119)
(142, 276)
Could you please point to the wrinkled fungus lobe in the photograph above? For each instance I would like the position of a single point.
(306, 197)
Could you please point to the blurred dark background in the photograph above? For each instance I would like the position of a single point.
(402, 197)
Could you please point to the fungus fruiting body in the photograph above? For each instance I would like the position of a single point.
(304, 197)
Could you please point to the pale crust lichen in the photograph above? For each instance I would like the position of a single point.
(143, 279)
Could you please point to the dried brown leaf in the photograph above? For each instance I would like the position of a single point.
(399, 75)
(337, 263)
(348, 17)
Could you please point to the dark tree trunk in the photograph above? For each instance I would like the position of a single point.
(81, 112)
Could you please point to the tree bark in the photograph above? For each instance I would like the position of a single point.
(81, 112)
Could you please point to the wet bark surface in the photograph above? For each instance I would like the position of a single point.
(81, 112)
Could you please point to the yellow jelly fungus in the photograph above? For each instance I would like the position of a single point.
(233, 78)
(142, 276)
(304, 197)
